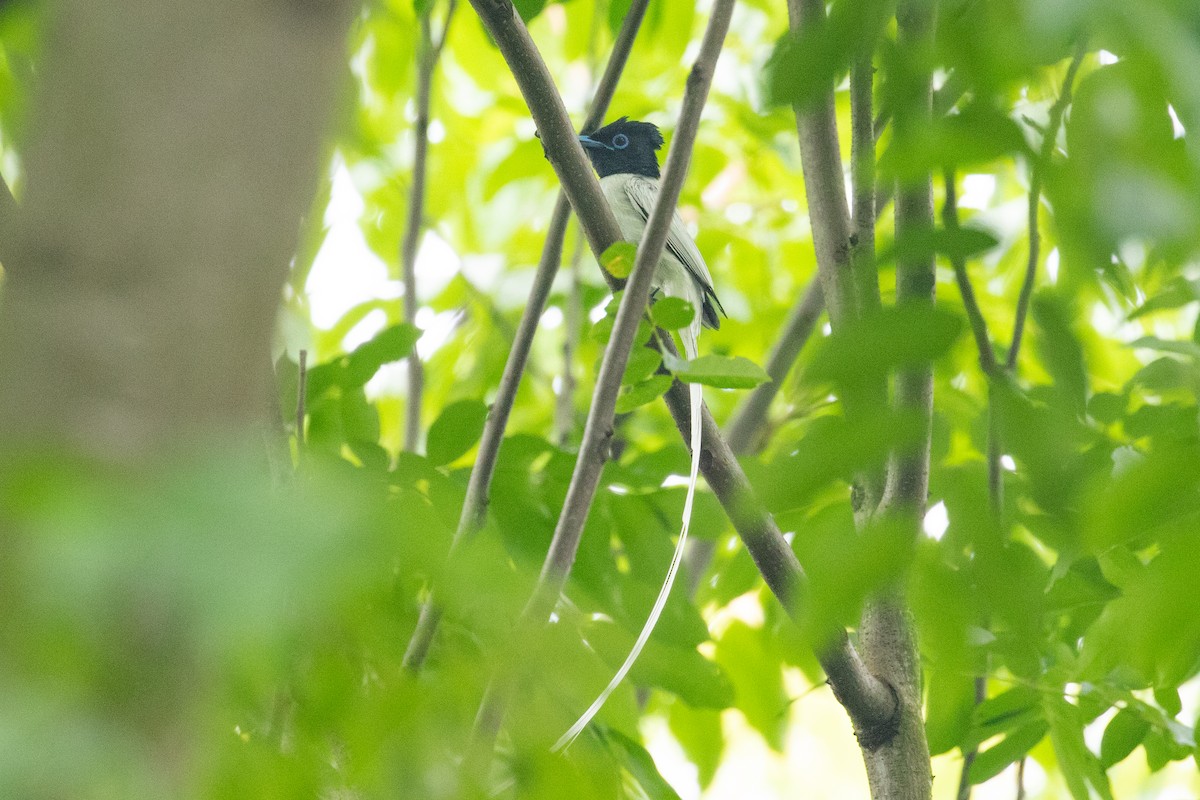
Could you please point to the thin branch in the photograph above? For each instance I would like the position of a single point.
(964, 780)
(564, 416)
(742, 432)
(862, 180)
(983, 341)
(413, 227)
(479, 484)
(756, 527)
(440, 44)
(1035, 193)
(598, 430)
(870, 483)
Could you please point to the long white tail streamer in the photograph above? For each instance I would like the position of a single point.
(564, 741)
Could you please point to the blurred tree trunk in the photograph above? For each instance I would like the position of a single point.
(175, 147)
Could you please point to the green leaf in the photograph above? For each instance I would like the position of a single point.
(1178, 292)
(699, 733)
(756, 672)
(455, 431)
(1183, 348)
(953, 243)
(696, 680)
(1125, 732)
(1079, 766)
(672, 313)
(803, 66)
(639, 394)
(618, 259)
(991, 762)
(723, 372)
(390, 344)
(642, 363)
(899, 336)
(1060, 348)
(641, 766)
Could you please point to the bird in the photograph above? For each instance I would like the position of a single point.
(624, 155)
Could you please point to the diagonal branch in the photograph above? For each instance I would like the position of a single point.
(756, 527)
(479, 484)
(1037, 173)
(598, 430)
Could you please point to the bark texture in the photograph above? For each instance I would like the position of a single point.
(175, 148)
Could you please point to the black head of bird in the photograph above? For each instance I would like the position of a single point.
(624, 147)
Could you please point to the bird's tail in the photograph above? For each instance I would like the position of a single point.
(689, 336)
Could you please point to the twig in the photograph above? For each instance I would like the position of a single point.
(301, 393)
(478, 485)
(724, 475)
(598, 428)
(428, 52)
(862, 180)
(565, 409)
(1035, 193)
(983, 341)
(743, 430)
(964, 780)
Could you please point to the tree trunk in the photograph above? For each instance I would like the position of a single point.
(175, 147)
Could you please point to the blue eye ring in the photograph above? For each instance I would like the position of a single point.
(620, 141)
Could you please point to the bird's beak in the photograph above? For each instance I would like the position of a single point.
(594, 144)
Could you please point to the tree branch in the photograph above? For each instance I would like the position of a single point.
(598, 429)
(720, 468)
(479, 484)
(1035, 193)
(983, 341)
(428, 52)
(991, 370)
(564, 412)
(900, 767)
(862, 180)
(824, 185)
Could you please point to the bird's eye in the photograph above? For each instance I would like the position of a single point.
(620, 141)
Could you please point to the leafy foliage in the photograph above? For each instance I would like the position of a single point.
(253, 631)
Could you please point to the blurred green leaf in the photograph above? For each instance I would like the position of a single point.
(672, 313)
(696, 680)
(638, 394)
(722, 372)
(641, 766)
(991, 762)
(1123, 733)
(619, 258)
(899, 336)
(455, 431)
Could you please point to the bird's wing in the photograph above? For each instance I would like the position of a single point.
(642, 193)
